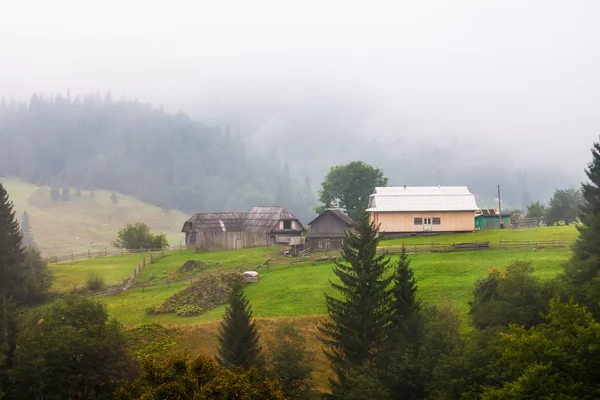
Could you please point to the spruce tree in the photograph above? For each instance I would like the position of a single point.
(355, 331)
(582, 270)
(28, 238)
(11, 256)
(406, 307)
(238, 337)
(66, 195)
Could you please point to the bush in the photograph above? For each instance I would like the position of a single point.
(138, 236)
(95, 281)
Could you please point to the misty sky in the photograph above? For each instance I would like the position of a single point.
(522, 73)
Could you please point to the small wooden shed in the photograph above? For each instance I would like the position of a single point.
(326, 231)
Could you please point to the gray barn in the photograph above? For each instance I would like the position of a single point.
(262, 226)
(327, 229)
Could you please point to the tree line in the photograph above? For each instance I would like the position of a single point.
(95, 142)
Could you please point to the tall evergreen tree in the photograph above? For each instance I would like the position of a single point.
(355, 332)
(65, 195)
(11, 256)
(406, 307)
(238, 337)
(28, 238)
(55, 194)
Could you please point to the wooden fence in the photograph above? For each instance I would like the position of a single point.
(480, 246)
(107, 253)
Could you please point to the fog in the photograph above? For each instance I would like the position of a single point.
(492, 86)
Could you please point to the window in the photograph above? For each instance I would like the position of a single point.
(427, 221)
(418, 221)
(437, 221)
(287, 224)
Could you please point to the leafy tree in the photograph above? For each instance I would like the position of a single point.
(362, 382)
(538, 211)
(113, 198)
(510, 296)
(349, 187)
(28, 239)
(558, 360)
(55, 194)
(69, 349)
(238, 337)
(202, 378)
(66, 194)
(564, 206)
(11, 257)
(355, 331)
(288, 362)
(138, 236)
(409, 375)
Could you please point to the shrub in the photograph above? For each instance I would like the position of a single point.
(95, 281)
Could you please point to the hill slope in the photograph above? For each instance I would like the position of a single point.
(84, 222)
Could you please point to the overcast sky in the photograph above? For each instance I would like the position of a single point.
(522, 73)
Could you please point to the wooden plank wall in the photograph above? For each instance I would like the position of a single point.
(231, 240)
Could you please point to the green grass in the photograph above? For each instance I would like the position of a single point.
(113, 269)
(297, 290)
(167, 265)
(84, 223)
(547, 233)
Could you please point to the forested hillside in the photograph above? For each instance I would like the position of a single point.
(93, 142)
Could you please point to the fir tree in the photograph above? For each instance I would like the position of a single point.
(66, 195)
(406, 307)
(54, 194)
(28, 238)
(238, 337)
(355, 331)
(11, 256)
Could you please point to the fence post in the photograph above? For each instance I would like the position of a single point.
(89, 255)
(106, 252)
(71, 256)
(151, 259)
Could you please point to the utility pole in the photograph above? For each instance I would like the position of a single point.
(500, 209)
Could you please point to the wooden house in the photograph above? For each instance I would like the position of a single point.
(327, 229)
(261, 226)
(423, 209)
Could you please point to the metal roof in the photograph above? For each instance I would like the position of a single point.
(422, 198)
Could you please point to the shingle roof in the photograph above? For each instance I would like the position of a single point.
(259, 219)
(339, 213)
(423, 198)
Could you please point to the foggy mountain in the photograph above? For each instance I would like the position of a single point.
(452, 93)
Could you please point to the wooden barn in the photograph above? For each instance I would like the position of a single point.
(261, 226)
(327, 229)
(423, 209)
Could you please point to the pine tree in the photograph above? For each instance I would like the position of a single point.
(355, 332)
(406, 307)
(66, 195)
(11, 256)
(54, 194)
(238, 337)
(28, 238)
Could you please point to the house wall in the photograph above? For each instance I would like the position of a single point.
(231, 240)
(324, 243)
(328, 224)
(450, 221)
(487, 222)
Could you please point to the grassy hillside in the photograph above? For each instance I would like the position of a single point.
(297, 290)
(83, 222)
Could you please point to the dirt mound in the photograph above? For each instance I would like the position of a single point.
(200, 296)
(190, 265)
